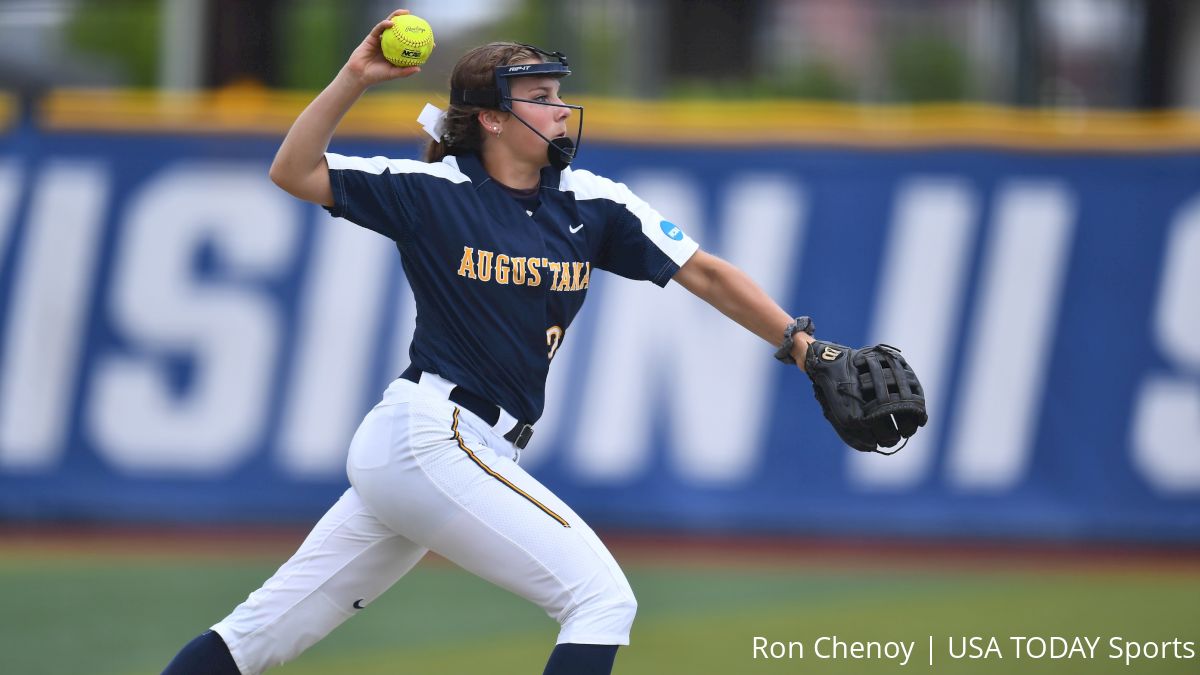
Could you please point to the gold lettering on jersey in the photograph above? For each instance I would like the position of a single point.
(518, 271)
(564, 283)
(486, 266)
(535, 277)
(466, 268)
(577, 276)
(502, 269)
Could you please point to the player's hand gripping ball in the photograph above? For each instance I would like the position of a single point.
(409, 41)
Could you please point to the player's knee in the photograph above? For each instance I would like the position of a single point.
(602, 619)
(622, 610)
(625, 611)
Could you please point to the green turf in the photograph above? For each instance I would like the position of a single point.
(106, 616)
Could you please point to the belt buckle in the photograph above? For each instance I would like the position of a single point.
(523, 436)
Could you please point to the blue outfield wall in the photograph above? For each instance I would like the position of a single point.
(182, 341)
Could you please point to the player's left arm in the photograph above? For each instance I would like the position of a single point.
(735, 295)
(880, 411)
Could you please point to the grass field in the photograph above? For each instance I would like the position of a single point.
(125, 610)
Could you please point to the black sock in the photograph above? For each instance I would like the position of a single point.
(573, 659)
(204, 655)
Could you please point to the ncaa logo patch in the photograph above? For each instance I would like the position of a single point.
(671, 230)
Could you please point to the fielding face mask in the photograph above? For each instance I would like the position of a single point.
(559, 151)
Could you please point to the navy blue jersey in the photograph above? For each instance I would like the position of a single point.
(497, 286)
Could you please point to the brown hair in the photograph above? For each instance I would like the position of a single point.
(461, 132)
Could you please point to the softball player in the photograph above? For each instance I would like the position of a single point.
(499, 238)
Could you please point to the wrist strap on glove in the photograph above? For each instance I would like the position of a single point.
(801, 324)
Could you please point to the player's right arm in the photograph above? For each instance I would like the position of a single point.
(299, 166)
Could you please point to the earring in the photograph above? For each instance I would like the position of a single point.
(496, 130)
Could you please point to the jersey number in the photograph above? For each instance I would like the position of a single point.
(553, 339)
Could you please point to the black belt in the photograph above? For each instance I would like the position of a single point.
(487, 411)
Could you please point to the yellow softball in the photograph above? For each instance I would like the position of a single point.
(408, 42)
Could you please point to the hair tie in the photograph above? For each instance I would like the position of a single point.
(433, 120)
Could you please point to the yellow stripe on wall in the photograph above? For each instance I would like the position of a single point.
(393, 116)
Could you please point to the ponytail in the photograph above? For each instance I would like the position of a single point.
(435, 151)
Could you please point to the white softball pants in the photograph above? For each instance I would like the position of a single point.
(425, 475)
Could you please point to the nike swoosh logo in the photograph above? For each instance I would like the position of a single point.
(358, 604)
(576, 228)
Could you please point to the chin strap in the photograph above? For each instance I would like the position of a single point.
(560, 152)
